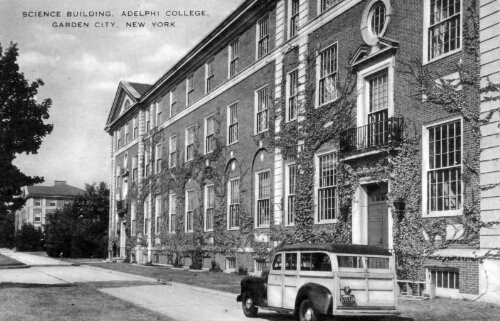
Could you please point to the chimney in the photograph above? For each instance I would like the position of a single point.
(56, 183)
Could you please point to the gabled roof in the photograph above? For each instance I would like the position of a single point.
(59, 189)
(337, 248)
(131, 90)
(139, 88)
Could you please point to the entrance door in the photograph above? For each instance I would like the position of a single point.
(378, 227)
(123, 240)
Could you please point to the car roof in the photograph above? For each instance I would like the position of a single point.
(337, 248)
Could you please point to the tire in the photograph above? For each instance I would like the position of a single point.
(307, 312)
(249, 308)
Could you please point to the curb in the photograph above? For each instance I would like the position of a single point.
(180, 285)
(35, 285)
(13, 267)
(50, 265)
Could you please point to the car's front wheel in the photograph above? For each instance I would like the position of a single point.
(249, 308)
(306, 312)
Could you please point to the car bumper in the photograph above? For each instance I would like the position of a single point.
(366, 312)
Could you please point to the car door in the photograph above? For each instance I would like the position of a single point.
(275, 283)
(290, 280)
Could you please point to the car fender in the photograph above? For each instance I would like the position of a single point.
(318, 295)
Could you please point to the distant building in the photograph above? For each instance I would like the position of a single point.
(44, 200)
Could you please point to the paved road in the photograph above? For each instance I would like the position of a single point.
(177, 301)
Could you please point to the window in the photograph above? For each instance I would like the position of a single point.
(38, 202)
(133, 218)
(147, 161)
(234, 203)
(173, 102)
(234, 58)
(38, 216)
(446, 279)
(118, 139)
(263, 198)
(294, 17)
(291, 179)
(233, 123)
(209, 75)
(190, 90)
(172, 210)
(230, 263)
(209, 207)
(134, 168)
(292, 95)
(209, 134)
(262, 110)
(350, 262)
(315, 262)
(127, 135)
(189, 210)
(277, 262)
(290, 261)
(327, 4)
(326, 188)
(158, 216)
(444, 168)
(376, 18)
(148, 118)
(136, 127)
(260, 265)
(52, 203)
(444, 31)
(189, 143)
(377, 263)
(378, 131)
(263, 37)
(172, 159)
(328, 75)
(147, 215)
(159, 109)
(158, 154)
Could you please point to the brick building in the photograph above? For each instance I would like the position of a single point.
(193, 156)
(44, 200)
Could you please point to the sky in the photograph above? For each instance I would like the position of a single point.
(82, 66)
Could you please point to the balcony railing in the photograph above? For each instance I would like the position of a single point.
(375, 134)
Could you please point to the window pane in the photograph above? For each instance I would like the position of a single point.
(290, 261)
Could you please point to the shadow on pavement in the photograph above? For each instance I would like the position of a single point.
(288, 317)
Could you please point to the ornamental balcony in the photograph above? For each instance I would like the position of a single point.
(372, 136)
(121, 208)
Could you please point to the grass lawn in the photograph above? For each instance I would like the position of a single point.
(6, 261)
(439, 309)
(81, 302)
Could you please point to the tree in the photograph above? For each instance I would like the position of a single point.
(22, 127)
(7, 230)
(29, 238)
(80, 229)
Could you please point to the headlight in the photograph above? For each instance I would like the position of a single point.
(347, 290)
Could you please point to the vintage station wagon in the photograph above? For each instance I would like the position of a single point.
(317, 280)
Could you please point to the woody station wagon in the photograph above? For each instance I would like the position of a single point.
(317, 280)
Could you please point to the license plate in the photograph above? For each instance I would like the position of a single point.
(347, 298)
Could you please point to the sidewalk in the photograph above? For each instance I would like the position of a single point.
(32, 260)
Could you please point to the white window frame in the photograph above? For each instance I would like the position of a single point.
(159, 110)
(118, 139)
(233, 57)
(208, 206)
(187, 227)
(257, 184)
(35, 212)
(363, 87)
(189, 89)
(135, 128)
(320, 5)
(441, 291)
(229, 124)
(147, 215)
(316, 188)
(262, 38)
(292, 32)
(259, 265)
(257, 112)
(230, 260)
(287, 193)
(35, 201)
(229, 203)
(127, 134)
(133, 218)
(172, 204)
(425, 169)
(187, 143)
(426, 26)
(157, 214)
(135, 168)
(289, 96)
(334, 74)
(50, 203)
(158, 157)
(148, 118)
(173, 102)
(172, 151)
(209, 75)
(206, 135)
(147, 164)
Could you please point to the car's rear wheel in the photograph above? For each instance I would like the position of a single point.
(306, 312)
(249, 308)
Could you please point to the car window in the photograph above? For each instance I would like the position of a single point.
(277, 262)
(291, 261)
(350, 262)
(315, 262)
(377, 262)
